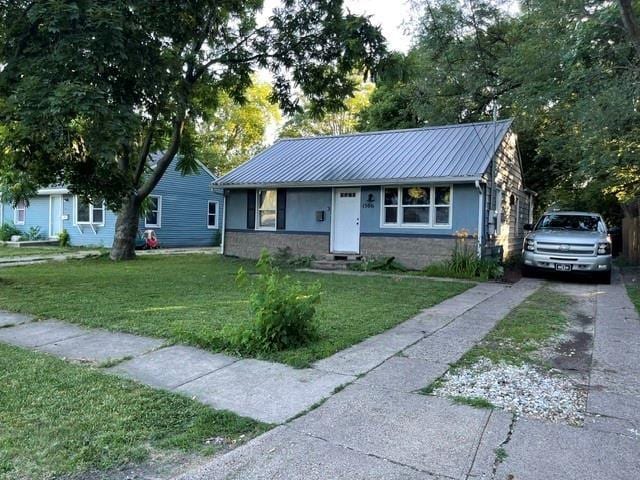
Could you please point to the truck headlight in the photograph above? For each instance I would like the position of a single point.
(604, 248)
(530, 245)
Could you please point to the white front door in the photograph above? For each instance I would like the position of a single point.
(55, 215)
(345, 228)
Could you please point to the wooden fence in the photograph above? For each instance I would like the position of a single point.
(631, 232)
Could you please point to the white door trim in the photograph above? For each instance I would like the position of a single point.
(334, 191)
(61, 198)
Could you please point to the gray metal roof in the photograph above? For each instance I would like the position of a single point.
(452, 152)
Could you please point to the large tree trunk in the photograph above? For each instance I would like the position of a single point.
(124, 242)
(630, 22)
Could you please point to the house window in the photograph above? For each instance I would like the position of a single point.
(20, 213)
(153, 216)
(89, 213)
(267, 208)
(442, 205)
(417, 206)
(212, 214)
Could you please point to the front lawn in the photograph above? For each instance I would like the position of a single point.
(59, 419)
(189, 299)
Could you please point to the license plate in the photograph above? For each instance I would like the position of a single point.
(563, 267)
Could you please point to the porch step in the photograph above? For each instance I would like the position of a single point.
(341, 257)
(333, 264)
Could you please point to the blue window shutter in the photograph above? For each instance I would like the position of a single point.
(251, 209)
(281, 217)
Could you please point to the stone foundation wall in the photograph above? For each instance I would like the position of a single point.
(250, 244)
(412, 252)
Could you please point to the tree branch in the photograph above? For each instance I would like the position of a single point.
(144, 152)
(167, 157)
(630, 23)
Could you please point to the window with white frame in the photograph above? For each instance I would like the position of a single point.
(89, 213)
(417, 206)
(267, 208)
(20, 213)
(442, 205)
(154, 212)
(212, 214)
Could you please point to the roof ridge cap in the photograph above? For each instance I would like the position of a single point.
(399, 130)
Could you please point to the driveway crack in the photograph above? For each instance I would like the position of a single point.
(373, 455)
(499, 458)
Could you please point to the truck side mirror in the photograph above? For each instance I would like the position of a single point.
(528, 227)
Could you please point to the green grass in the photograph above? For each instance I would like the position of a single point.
(481, 271)
(477, 402)
(634, 294)
(35, 251)
(501, 454)
(59, 419)
(189, 299)
(523, 331)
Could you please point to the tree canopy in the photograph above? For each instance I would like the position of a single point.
(568, 72)
(342, 121)
(235, 131)
(89, 88)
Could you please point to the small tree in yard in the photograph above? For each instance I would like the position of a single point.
(89, 88)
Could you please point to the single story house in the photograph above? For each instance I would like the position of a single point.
(186, 210)
(407, 194)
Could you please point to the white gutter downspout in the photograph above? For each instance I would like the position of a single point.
(224, 220)
(480, 217)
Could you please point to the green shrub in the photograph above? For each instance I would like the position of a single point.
(382, 264)
(217, 238)
(283, 311)
(285, 259)
(34, 233)
(464, 263)
(64, 239)
(8, 230)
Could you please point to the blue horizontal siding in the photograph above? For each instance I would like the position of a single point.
(36, 215)
(84, 235)
(184, 209)
(302, 205)
(183, 218)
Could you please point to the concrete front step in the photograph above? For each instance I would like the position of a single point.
(333, 264)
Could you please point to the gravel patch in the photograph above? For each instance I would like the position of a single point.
(523, 390)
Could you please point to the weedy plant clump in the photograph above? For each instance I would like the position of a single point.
(283, 310)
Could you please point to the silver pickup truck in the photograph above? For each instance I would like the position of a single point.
(568, 242)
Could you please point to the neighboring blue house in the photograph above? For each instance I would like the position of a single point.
(186, 211)
(406, 194)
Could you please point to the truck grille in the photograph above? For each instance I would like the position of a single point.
(568, 249)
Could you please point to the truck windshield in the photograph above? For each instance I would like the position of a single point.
(585, 223)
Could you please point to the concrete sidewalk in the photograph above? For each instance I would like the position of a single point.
(272, 392)
(18, 261)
